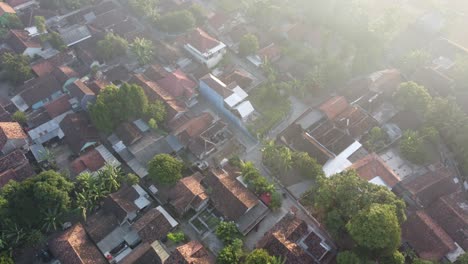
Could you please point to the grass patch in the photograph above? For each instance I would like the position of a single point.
(271, 105)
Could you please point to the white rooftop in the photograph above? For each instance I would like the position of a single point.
(378, 181)
(168, 217)
(341, 162)
(245, 109)
(236, 97)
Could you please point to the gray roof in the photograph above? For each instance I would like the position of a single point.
(74, 34)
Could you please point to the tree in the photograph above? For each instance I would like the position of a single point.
(56, 41)
(376, 229)
(156, 111)
(376, 139)
(412, 147)
(39, 22)
(348, 257)
(248, 45)
(144, 7)
(307, 166)
(198, 13)
(462, 259)
(177, 21)
(395, 258)
(413, 97)
(143, 50)
(165, 169)
(422, 261)
(16, 67)
(227, 232)
(112, 46)
(414, 60)
(20, 117)
(29, 202)
(176, 237)
(132, 179)
(231, 254)
(258, 256)
(5, 259)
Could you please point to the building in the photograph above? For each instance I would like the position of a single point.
(37, 92)
(296, 241)
(179, 85)
(234, 201)
(74, 246)
(12, 137)
(79, 133)
(210, 140)
(188, 194)
(93, 160)
(193, 252)
(20, 5)
(22, 43)
(231, 100)
(204, 48)
(15, 166)
(374, 170)
(81, 94)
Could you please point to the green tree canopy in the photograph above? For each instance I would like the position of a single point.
(227, 232)
(165, 169)
(16, 67)
(143, 50)
(348, 257)
(258, 256)
(231, 254)
(376, 229)
(412, 147)
(413, 97)
(463, 259)
(39, 22)
(198, 13)
(144, 7)
(248, 45)
(20, 117)
(414, 60)
(177, 21)
(112, 46)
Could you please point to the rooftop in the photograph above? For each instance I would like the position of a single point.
(202, 41)
(10, 131)
(193, 252)
(373, 169)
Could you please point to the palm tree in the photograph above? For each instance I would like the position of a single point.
(269, 151)
(284, 159)
(110, 177)
(143, 50)
(52, 218)
(277, 260)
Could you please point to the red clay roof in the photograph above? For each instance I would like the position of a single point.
(17, 170)
(20, 40)
(451, 213)
(90, 161)
(373, 166)
(58, 106)
(229, 196)
(152, 226)
(427, 238)
(188, 191)
(178, 84)
(10, 130)
(334, 106)
(6, 8)
(201, 40)
(193, 252)
(74, 247)
(270, 53)
(194, 127)
(122, 202)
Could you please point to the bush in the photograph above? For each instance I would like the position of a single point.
(165, 169)
(227, 232)
(176, 237)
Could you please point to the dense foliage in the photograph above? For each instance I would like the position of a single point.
(143, 50)
(112, 46)
(16, 67)
(165, 169)
(227, 232)
(248, 45)
(231, 254)
(177, 21)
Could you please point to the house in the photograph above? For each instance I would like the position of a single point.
(234, 201)
(187, 194)
(451, 213)
(74, 34)
(210, 140)
(63, 74)
(126, 203)
(12, 137)
(150, 253)
(428, 239)
(22, 43)
(270, 53)
(20, 5)
(297, 242)
(80, 134)
(187, 129)
(15, 166)
(74, 246)
(175, 108)
(423, 190)
(230, 100)
(93, 160)
(37, 92)
(5, 10)
(192, 252)
(204, 48)
(50, 128)
(180, 86)
(81, 94)
(43, 67)
(374, 170)
(239, 76)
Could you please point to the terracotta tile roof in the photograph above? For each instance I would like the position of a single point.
(334, 106)
(154, 92)
(270, 53)
(217, 85)
(356, 121)
(155, 72)
(427, 238)
(188, 192)
(74, 247)
(63, 73)
(428, 187)
(12, 160)
(79, 90)
(282, 240)
(178, 84)
(122, 202)
(191, 253)
(6, 9)
(44, 67)
(229, 196)
(10, 131)
(373, 166)
(201, 40)
(100, 224)
(20, 40)
(193, 127)
(128, 133)
(90, 161)
(241, 77)
(39, 89)
(451, 213)
(98, 85)
(152, 226)
(15, 166)
(78, 131)
(58, 106)
(142, 254)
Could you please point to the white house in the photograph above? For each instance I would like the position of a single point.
(204, 48)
